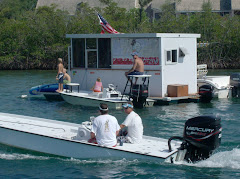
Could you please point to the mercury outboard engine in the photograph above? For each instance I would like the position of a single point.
(235, 82)
(139, 95)
(206, 93)
(202, 135)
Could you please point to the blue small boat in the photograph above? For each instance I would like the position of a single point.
(49, 91)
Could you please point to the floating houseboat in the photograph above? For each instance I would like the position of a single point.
(170, 58)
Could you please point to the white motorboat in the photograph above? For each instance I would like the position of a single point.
(110, 96)
(220, 84)
(71, 140)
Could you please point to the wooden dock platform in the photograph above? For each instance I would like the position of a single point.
(175, 100)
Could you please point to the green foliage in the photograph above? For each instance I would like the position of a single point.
(142, 4)
(38, 36)
(167, 22)
(35, 38)
(16, 8)
(84, 22)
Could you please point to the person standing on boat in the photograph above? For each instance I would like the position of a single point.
(98, 87)
(66, 77)
(105, 128)
(138, 66)
(60, 75)
(134, 123)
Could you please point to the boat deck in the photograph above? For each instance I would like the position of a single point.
(175, 100)
(151, 146)
(95, 96)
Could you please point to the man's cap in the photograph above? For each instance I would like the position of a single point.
(127, 106)
(102, 109)
(134, 53)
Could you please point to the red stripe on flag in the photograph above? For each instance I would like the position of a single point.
(106, 26)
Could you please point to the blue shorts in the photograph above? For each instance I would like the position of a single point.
(136, 73)
(60, 78)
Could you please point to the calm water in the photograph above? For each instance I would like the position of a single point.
(159, 121)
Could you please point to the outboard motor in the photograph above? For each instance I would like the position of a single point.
(206, 93)
(139, 95)
(235, 82)
(202, 135)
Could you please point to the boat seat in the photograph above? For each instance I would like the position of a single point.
(71, 85)
(82, 134)
(97, 94)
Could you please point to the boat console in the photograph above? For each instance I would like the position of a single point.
(111, 92)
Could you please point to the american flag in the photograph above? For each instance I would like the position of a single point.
(106, 26)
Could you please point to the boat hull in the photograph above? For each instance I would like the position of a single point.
(92, 102)
(68, 140)
(218, 93)
(62, 147)
(53, 97)
(113, 103)
(221, 85)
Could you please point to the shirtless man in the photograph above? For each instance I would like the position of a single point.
(66, 77)
(138, 66)
(60, 75)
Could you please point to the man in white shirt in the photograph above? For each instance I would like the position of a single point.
(134, 123)
(105, 128)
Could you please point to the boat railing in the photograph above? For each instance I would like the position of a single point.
(202, 70)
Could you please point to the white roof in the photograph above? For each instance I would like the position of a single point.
(134, 35)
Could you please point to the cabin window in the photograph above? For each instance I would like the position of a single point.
(171, 56)
(104, 53)
(91, 53)
(91, 44)
(78, 47)
(174, 56)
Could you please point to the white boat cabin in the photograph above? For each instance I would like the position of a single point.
(169, 57)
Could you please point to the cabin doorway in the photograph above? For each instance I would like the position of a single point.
(92, 59)
(91, 53)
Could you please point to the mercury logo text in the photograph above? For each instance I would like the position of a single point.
(199, 129)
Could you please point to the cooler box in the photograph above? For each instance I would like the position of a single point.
(177, 90)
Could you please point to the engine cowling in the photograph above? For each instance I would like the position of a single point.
(201, 136)
(203, 132)
(206, 93)
(139, 95)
